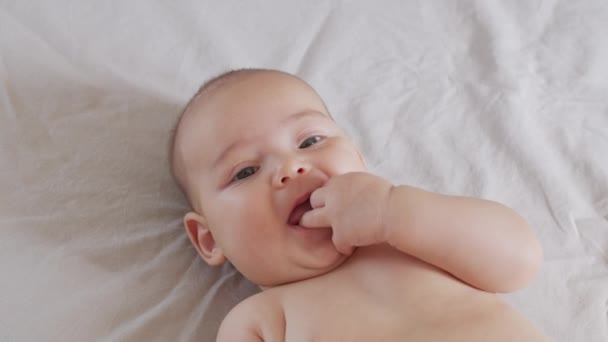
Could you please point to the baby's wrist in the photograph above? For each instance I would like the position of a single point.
(399, 216)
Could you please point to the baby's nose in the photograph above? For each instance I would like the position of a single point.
(286, 178)
(289, 171)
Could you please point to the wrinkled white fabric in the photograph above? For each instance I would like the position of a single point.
(506, 100)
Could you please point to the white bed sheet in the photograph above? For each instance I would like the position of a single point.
(507, 100)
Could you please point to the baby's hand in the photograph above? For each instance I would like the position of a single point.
(354, 205)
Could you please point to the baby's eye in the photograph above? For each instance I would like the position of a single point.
(244, 173)
(311, 141)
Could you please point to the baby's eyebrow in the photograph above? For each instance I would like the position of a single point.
(235, 145)
(303, 114)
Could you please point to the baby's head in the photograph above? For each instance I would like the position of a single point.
(247, 152)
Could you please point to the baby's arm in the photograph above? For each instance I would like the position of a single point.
(481, 242)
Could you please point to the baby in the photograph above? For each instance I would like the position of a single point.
(341, 254)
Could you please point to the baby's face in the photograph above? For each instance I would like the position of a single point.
(254, 151)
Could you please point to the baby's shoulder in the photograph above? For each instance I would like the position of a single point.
(266, 302)
(260, 315)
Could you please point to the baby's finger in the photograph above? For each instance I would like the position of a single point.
(315, 218)
(317, 198)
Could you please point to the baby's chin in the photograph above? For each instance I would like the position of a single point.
(322, 260)
(306, 268)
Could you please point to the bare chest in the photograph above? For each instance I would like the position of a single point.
(384, 297)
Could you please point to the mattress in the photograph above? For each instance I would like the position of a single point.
(504, 100)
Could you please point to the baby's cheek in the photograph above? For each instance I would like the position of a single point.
(252, 214)
(347, 159)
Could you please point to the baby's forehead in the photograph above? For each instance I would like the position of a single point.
(240, 103)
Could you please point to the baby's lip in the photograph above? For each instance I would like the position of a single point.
(300, 206)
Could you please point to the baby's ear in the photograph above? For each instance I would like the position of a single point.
(200, 236)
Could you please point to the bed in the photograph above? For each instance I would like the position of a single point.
(505, 100)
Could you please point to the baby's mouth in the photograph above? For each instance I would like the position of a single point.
(299, 211)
